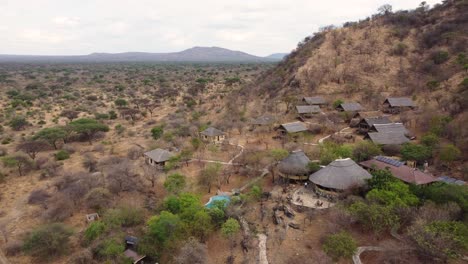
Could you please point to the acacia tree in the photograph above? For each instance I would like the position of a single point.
(70, 114)
(21, 162)
(229, 229)
(175, 183)
(18, 123)
(32, 147)
(88, 128)
(209, 175)
(51, 135)
(151, 174)
(192, 252)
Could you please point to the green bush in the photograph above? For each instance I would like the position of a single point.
(419, 153)
(175, 183)
(442, 193)
(110, 249)
(330, 151)
(365, 150)
(120, 102)
(124, 217)
(62, 155)
(157, 132)
(340, 245)
(449, 153)
(94, 230)
(48, 241)
(441, 239)
(430, 140)
(374, 217)
(337, 103)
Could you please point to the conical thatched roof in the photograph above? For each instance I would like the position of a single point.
(341, 174)
(295, 164)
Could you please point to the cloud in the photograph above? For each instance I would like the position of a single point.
(259, 27)
(66, 21)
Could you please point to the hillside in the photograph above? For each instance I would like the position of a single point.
(195, 54)
(419, 53)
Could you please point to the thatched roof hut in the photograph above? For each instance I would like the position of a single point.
(341, 174)
(295, 166)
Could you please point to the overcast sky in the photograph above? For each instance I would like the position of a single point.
(259, 27)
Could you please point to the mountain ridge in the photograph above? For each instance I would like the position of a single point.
(194, 54)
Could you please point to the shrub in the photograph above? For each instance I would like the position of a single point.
(440, 57)
(124, 217)
(374, 217)
(18, 123)
(98, 198)
(175, 183)
(157, 132)
(365, 150)
(440, 239)
(62, 155)
(442, 193)
(416, 152)
(340, 245)
(110, 249)
(94, 230)
(38, 197)
(399, 49)
(120, 102)
(119, 129)
(48, 241)
(430, 140)
(337, 103)
(449, 153)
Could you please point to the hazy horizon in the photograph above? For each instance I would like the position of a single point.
(52, 27)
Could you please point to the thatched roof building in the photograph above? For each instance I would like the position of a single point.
(341, 174)
(158, 157)
(295, 166)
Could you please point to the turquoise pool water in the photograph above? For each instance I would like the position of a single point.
(210, 203)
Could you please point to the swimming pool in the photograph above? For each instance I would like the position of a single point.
(212, 200)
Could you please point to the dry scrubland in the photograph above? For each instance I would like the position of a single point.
(72, 139)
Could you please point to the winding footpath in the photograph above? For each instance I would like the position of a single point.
(262, 255)
(360, 250)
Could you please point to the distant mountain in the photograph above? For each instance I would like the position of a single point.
(277, 56)
(195, 54)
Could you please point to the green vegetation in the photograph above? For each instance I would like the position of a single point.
(88, 128)
(51, 135)
(175, 183)
(62, 155)
(48, 241)
(157, 132)
(340, 245)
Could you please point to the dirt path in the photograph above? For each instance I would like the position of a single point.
(360, 250)
(230, 162)
(262, 255)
